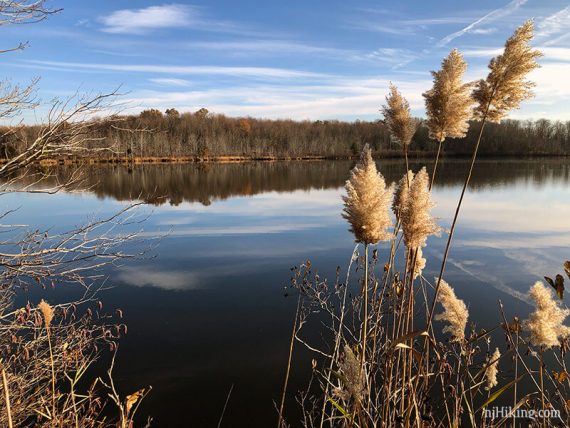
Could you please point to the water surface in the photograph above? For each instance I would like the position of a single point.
(208, 311)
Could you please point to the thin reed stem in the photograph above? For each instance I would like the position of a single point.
(455, 217)
(542, 386)
(365, 311)
(281, 421)
(435, 164)
(7, 398)
(52, 371)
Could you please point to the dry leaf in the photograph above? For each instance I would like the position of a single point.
(133, 398)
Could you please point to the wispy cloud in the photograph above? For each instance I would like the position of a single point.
(490, 17)
(553, 25)
(171, 82)
(395, 57)
(550, 53)
(346, 98)
(267, 47)
(140, 21)
(259, 72)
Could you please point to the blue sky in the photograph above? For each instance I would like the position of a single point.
(297, 59)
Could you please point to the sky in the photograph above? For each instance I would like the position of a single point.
(300, 59)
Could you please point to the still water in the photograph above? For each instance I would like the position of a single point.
(205, 306)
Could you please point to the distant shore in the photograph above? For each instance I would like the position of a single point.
(260, 158)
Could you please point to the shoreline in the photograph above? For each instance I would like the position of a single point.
(126, 160)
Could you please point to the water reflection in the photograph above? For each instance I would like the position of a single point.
(206, 182)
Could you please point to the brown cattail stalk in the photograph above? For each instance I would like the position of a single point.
(448, 103)
(504, 89)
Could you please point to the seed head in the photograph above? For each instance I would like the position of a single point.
(401, 194)
(506, 85)
(545, 323)
(449, 102)
(47, 312)
(367, 202)
(353, 377)
(455, 312)
(417, 222)
(398, 118)
(492, 369)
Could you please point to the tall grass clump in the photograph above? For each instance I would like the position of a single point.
(399, 350)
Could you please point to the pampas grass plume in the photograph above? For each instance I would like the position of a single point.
(545, 324)
(492, 369)
(397, 116)
(449, 102)
(506, 85)
(455, 312)
(367, 202)
(417, 221)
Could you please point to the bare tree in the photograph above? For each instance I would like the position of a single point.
(47, 352)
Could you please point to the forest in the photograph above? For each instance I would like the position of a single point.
(154, 135)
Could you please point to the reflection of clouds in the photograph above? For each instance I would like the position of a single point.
(238, 230)
(520, 241)
(489, 279)
(539, 262)
(523, 210)
(315, 203)
(167, 280)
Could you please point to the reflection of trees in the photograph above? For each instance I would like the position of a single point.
(176, 183)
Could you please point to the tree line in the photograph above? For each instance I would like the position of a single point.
(154, 134)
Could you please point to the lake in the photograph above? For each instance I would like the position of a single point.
(206, 308)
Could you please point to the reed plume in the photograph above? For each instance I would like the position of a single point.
(545, 324)
(367, 202)
(352, 377)
(400, 122)
(504, 89)
(506, 85)
(47, 312)
(492, 369)
(419, 264)
(401, 194)
(455, 312)
(417, 222)
(449, 101)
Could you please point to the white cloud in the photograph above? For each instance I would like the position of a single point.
(337, 98)
(171, 82)
(139, 21)
(261, 72)
(490, 17)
